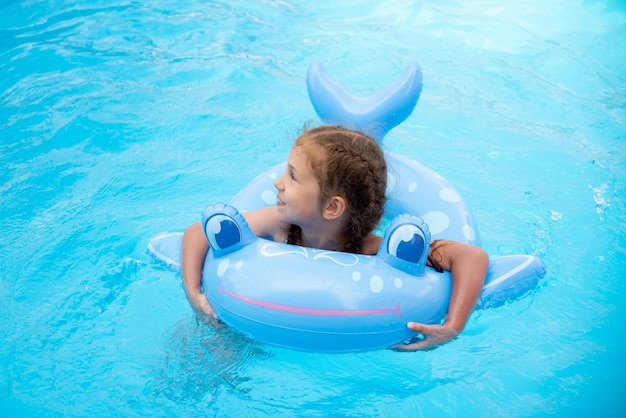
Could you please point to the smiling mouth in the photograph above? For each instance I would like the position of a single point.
(310, 311)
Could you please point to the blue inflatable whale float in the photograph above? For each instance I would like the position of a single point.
(317, 300)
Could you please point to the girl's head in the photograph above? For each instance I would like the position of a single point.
(350, 165)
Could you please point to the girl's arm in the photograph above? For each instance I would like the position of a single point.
(468, 267)
(195, 247)
(264, 222)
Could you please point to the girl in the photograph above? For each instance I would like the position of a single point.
(331, 197)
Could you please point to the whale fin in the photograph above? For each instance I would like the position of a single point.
(375, 115)
(166, 248)
(509, 278)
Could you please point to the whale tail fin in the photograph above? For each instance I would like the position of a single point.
(375, 115)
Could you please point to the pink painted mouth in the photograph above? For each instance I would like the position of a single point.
(310, 311)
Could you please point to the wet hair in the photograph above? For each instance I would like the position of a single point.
(434, 255)
(350, 164)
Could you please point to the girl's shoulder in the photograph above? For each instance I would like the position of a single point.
(371, 244)
(265, 224)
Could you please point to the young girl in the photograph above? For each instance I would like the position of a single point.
(331, 197)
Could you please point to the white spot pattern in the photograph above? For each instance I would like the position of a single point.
(437, 222)
(449, 195)
(376, 284)
(222, 267)
(469, 233)
(269, 197)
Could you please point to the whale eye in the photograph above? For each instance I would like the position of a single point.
(222, 232)
(407, 242)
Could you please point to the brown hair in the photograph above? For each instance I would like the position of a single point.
(351, 164)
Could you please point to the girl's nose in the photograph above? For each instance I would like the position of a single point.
(278, 183)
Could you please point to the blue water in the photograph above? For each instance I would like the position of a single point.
(120, 120)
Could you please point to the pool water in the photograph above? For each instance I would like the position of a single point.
(120, 120)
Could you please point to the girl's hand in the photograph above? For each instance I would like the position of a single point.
(434, 336)
(203, 309)
(468, 266)
(200, 303)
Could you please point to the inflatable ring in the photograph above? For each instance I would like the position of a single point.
(317, 300)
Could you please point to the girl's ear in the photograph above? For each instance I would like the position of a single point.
(335, 207)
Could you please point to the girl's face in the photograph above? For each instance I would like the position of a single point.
(299, 195)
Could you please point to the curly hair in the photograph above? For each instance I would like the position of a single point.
(350, 164)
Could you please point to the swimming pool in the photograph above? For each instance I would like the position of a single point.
(120, 120)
